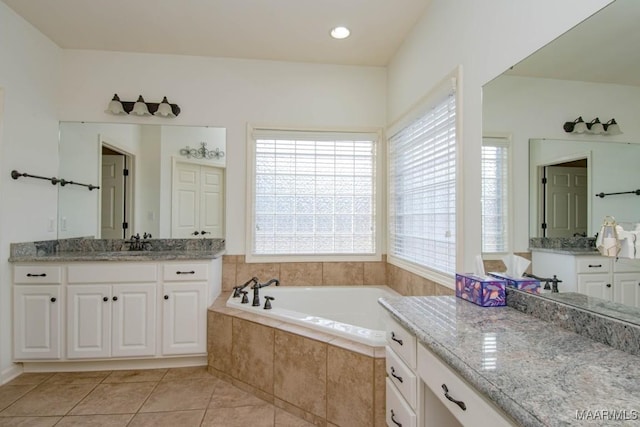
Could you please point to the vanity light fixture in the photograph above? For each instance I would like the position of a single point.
(142, 108)
(340, 33)
(594, 127)
(202, 152)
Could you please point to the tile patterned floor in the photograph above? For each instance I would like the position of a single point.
(182, 397)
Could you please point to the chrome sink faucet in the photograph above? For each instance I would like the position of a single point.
(257, 286)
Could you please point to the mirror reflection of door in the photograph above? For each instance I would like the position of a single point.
(115, 210)
(564, 189)
(197, 201)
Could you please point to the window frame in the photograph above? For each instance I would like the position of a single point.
(378, 189)
(452, 81)
(505, 139)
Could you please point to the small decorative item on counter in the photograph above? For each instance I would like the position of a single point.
(526, 284)
(485, 291)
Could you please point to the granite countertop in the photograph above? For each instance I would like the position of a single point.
(568, 251)
(89, 249)
(537, 372)
(120, 256)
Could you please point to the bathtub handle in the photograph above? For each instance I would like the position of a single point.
(394, 420)
(393, 337)
(393, 374)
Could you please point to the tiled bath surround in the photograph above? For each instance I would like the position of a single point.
(325, 380)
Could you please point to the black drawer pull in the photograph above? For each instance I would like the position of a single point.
(53, 299)
(37, 275)
(394, 420)
(115, 298)
(595, 265)
(393, 374)
(105, 299)
(608, 285)
(186, 272)
(460, 403)
(393, 337)
(166, 297)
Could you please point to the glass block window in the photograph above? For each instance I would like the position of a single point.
(495, 195)
(422, 187)
(314, 193)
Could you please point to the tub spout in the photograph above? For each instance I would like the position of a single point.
(257, 286)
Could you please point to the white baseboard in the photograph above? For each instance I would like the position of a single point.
(10, 373)
(115, 365)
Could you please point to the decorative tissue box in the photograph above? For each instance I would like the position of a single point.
(526, 284)
(485, 291)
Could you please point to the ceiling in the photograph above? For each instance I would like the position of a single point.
(288, 30)
(602, 49)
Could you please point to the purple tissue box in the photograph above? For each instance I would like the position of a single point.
(526, 284)
(482, 290)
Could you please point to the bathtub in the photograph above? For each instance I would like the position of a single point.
(350, 312)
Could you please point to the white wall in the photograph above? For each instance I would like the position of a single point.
(485, 38)
(29, 71)
(529, 108)
(225, 92)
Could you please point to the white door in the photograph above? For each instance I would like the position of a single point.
(566, 201)
(596, 285)
(37, 322)
(626, 288)
(88, 321)
(197, 201)
(184, 318)
(112, 193)
(134, 320)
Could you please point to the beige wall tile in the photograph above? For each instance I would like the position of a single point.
(301, 273)
(349, 388)
(420, 286)
(300, 372)
(252, 358)
(219, 341)
(263, 271)
(229, 278)
(375, 273)
(306, 419)
(379, 392)
(342, 273)
(443, 290)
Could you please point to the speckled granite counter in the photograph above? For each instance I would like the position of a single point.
(86, 249)
(568, 251)
(538, 373)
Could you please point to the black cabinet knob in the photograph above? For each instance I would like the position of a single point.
(105, 299)
(53, 299)
(115, 298)
(166, 297)
(608, 285)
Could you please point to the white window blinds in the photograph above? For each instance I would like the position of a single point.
(422, 189)
(495, 195)
(314, 193)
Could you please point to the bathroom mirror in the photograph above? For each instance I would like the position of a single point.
(589, 71)
(153, 179)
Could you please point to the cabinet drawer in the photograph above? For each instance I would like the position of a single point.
(593, 265)
(622, 265)
(185, 272)
(37, 274)
(402, 342)
(112, 273)
(398, 412)
(402, 377)
(436, 374)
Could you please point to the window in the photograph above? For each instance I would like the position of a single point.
(422, 188)
(314, 193)
(495, 195)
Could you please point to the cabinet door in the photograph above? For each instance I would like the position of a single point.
(88, 321)
(134, 320)
(36, 322)
(596, 285)
(184, 318)
(626, 289)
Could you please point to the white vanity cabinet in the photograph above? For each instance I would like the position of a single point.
(113, 310)
(607, 278)
(38, 309)
(422, 391)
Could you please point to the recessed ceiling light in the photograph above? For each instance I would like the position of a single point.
(340, 33)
